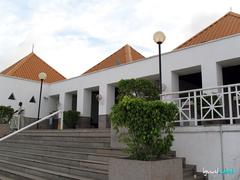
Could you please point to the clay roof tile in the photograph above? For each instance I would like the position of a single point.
(30, 66)
(124, 55)
(227, 25)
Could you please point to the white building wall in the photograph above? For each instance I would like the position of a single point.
(206, 57)
(202, 146)
(23, 91)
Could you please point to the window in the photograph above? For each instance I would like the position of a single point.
(32, 100)
(11, 97)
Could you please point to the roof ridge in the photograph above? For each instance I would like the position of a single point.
(128, 52)
(122, 48)
(48, 65)
(209, 26)
(234, 14)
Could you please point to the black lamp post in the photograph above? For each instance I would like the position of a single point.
(159, 38)
(42, 76)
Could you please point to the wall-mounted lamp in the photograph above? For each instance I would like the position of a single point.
(99, 97)
(164, 87)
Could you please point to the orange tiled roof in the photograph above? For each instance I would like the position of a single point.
(225, 26)
(124, 55)
(30, 66)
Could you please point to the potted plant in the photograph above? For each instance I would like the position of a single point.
(149, 138)
(70, 118)
(6, 113)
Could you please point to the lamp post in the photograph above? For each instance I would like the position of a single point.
(42, 76)
(159, 38)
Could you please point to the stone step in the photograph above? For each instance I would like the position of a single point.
(200, 176)
(72, 132)
(90, 130)
(39, 172)
(8, 174)
(68, 134)
(68, 154)
(189, 170)
(101, 150)
(63, 138)
(54, 159)
(194, 178)
(61, 143)
(81, 170)
(190, 173)
(4, 177)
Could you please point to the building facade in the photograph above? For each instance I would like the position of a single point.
(201, 76)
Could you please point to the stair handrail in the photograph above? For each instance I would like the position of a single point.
(34, 123)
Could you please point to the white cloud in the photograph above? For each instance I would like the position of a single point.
(73, 35)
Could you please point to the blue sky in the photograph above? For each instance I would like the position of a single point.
(74, 35)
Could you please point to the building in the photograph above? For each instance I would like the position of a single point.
(201, 76)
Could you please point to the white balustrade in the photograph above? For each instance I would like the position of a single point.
(199, 106)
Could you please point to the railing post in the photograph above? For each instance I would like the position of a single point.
(230, 105)
(18, 122)
(195, 108)
(61, 120)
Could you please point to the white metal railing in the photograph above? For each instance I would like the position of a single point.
(34, 123)
(199, 106)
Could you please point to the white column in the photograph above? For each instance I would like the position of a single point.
(211, 75)
(219, 74)
(108, 99)
(80, 100)
(84, 102)
(61, 107)
(84, 99)
(174, 86)
(67, 102)
(107, 93)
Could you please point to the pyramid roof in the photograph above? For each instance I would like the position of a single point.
(30, 66)
(124, 55)
(227, 25)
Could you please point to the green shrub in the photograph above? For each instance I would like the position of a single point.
(150, 126)
(6, 113)
(70, 118)
(140, 88)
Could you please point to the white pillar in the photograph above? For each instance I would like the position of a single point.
(80, 100)
(84, 99)
(211, 75)
(84, 102)
(61, 107)
(174, 86)
(87, 101)
(107, 93)
(67, 102)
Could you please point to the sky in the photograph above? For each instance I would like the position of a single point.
(74, 35)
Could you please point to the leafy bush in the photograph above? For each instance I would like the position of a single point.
(150, 126)
(6, 113)
(70, 118)
(140, 88)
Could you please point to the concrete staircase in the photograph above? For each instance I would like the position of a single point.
(69, 154)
